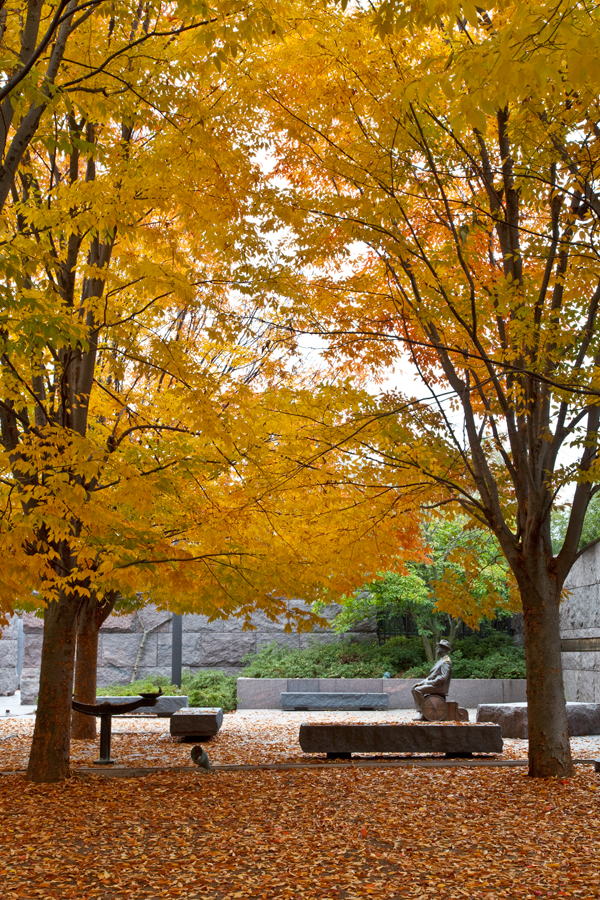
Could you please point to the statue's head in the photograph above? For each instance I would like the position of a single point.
(443, 647)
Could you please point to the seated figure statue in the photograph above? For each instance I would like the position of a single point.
(438, 680)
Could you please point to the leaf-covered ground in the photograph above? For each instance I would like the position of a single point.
(320, 834)
(326, 834)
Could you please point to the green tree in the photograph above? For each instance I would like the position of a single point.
(464, 579)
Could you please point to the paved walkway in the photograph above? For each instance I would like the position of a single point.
(11, 706)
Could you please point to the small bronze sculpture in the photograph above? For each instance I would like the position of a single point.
(200, 757)
(437, 682)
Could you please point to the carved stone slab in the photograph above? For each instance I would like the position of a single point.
(582, 718)
(402, 738)
(328, 700)
(196, 723)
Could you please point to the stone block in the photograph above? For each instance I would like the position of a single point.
(571, 661)
(164, 707)
(586, 571)
(120, 624)
(157, 620)
(196, 723)
(583, 718)
(470, 692)
(262, 638)
(8, 682)
(114, 675)
(303, 684)
(11, 629)
(121, 650)
(367, 626)
(451, 738)
(32, 624)
(511, 717)
(580, 686)
(323, 700)
(262, 623)
(191, 650)
(399, 692)
(32, 649)
(226, 649)
(163, 649)
(8, 654)
(514, 690)
(588, 661)
(260, 693)
(351, 685)
(30, 686)
(198, 622)
(313, 638)
(234, 624)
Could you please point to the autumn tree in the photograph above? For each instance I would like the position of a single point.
(438, 182)
(147, 442)
(56, 51)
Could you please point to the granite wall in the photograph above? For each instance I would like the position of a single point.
(146, 636)
(9, 656)
(580, 629)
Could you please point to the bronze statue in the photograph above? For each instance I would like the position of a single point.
(438, 680)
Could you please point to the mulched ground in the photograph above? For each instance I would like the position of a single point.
(320, 834)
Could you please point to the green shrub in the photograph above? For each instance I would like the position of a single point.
(497, 665)
(475, 647)
(492, 656)
(211, 687)
(342, 659)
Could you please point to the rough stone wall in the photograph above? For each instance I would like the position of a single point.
(580, 629)
(206, 645)
(9, 652)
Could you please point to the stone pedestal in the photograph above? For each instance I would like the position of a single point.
(196, 723)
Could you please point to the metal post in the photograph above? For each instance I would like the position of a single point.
(176, 649)
(105, 759)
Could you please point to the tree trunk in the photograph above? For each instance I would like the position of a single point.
(91, 618)
(83, 728)
(549, 747)
(429, 654)
(49, 758)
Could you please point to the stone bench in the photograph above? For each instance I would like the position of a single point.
(342, 741)
(582, 718)
(305, 700)
(197, 723)
(164, 708)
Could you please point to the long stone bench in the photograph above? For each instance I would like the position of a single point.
(165, 706)
(198, 723)
(582, 718)
(305, 700)
(341, 741)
